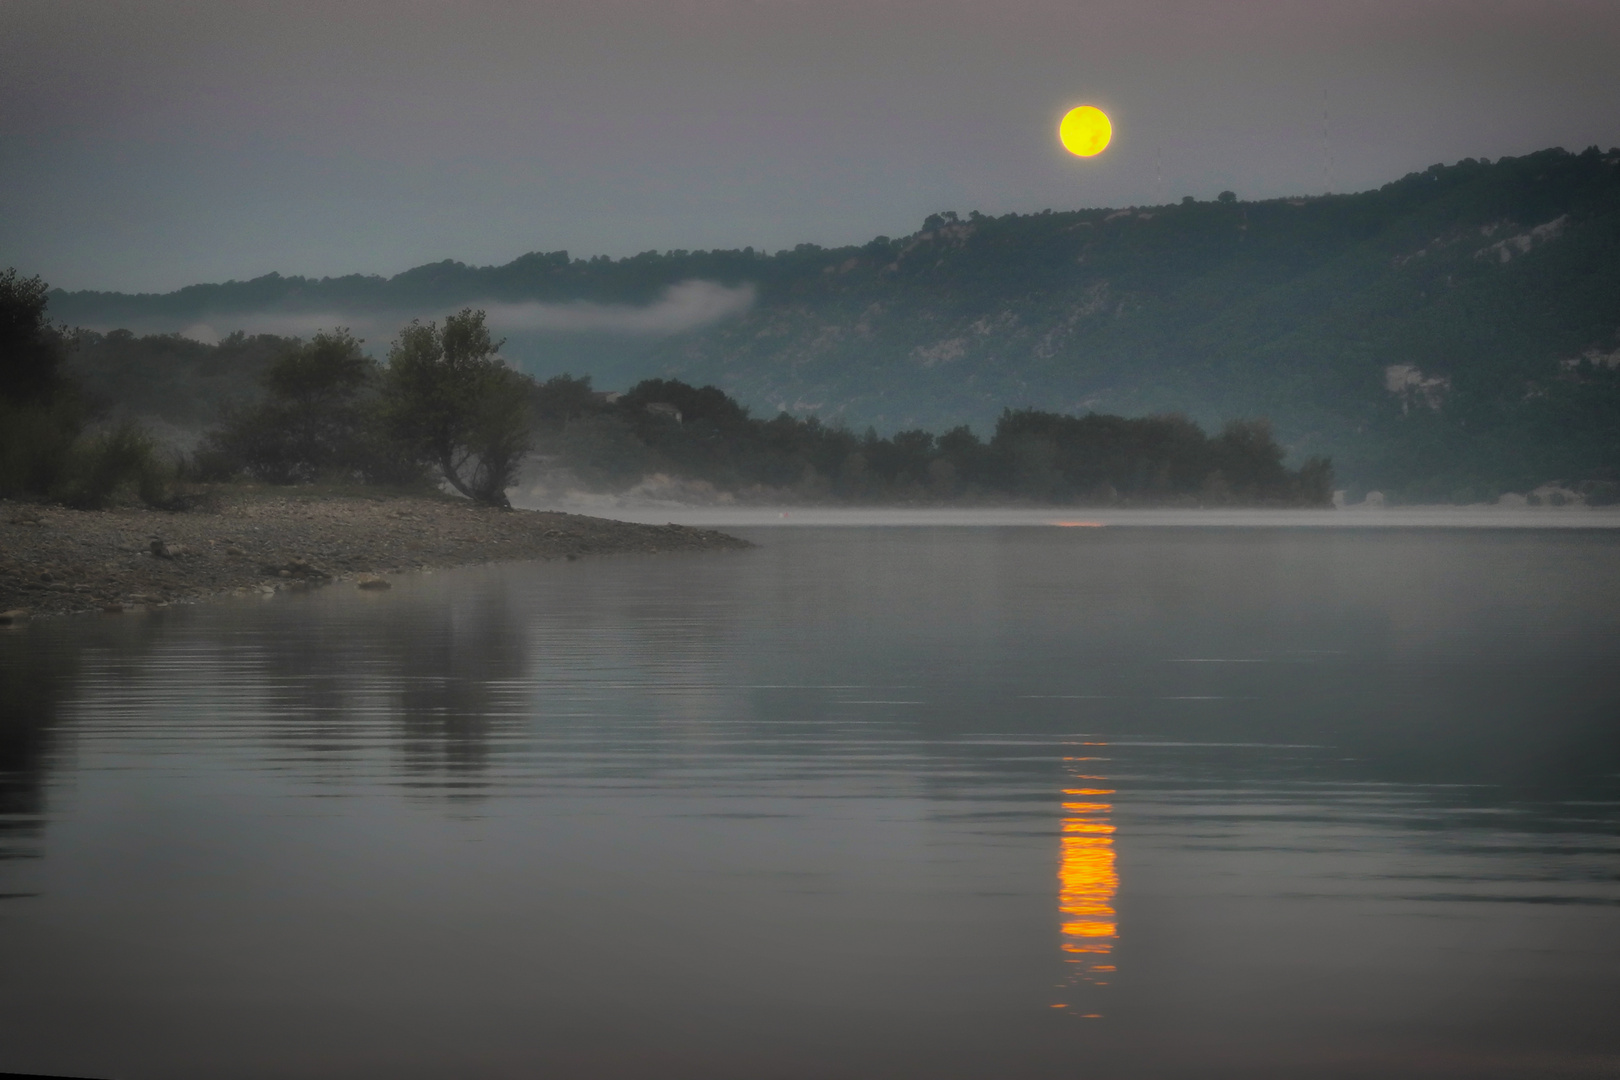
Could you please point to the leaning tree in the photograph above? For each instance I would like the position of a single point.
(453, 403)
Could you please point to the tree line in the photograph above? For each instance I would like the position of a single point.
(443, 408)
(670, 427)
(1495, 283)
(49, 446)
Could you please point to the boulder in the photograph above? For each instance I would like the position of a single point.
(296, 568)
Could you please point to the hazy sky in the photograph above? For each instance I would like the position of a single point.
(148, 145)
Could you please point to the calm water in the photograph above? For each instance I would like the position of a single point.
(863, 802)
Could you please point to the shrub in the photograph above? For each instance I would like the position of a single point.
(35, 440)
(315, 422)
(120, 461)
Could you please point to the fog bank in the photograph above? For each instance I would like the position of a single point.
(682, 307)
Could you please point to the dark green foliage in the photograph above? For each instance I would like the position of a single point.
(31, 350)
(453, 404)
(166, 377)
(118, 461)
(40, 415)
(601, 450)
(667, 426)
(445, 401)
(35, 441)
(1104, 459)
(563, 397)
(576, 424)
(44, 450)
(317, 420)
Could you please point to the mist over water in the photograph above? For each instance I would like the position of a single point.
(920, 802)
(742, 515)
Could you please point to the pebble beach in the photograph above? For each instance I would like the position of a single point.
(59, 561)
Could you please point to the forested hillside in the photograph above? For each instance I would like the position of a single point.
(1452, 335)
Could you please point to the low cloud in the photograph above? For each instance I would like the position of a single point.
(685, 306)
(283, 324)
(682, 307)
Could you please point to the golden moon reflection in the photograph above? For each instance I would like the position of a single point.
(1085, 131)
(1087, 879)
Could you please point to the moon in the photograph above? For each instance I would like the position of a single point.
(1085, 131)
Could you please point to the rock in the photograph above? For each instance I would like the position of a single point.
(13, 617)
(112, 609)
(372, 581)
(296, 568)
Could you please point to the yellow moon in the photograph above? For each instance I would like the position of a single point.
(1085, 131)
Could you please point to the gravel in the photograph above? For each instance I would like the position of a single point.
(56, 561)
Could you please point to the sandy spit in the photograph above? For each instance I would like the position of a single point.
(56, 561)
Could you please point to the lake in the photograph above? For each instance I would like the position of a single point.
(929, 801)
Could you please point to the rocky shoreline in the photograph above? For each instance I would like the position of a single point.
(57, 561)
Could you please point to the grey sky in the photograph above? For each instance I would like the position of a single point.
(150, 145)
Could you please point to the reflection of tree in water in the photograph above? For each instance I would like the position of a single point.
(42, 668)
(429, 678)
(34, 678)
(424, 685)
(449, 703)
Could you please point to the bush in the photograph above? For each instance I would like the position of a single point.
(316, 421)
(120, 461)
(35, 440)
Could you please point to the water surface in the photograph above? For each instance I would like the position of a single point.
(862, 802)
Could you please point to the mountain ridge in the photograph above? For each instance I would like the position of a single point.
(1451, 332)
